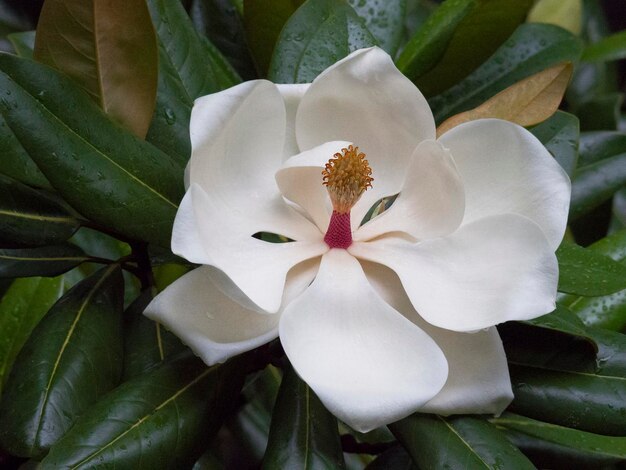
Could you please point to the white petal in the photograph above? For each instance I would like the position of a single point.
(258, 268)
(431, 202)
(292, 94)
(366, 100)
(490, 271)
(505, 168)
(367, 363)
(198, 310)
(186, 239)
(300, 181)
(478, 378)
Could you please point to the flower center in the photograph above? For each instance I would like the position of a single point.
(347, 176)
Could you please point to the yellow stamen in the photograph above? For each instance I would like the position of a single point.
(347, 176)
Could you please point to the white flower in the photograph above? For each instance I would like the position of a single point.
(468, 243)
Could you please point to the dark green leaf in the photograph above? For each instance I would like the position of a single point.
(220, 22)
(161, 419)
(30, 217)
(487, 24)
(459, 442)
(303, 433)
(72, 358)
(384, 19)
(586, 272)
(560, 135)
(612, 47)
(601, 112)
(598, 145)
(606, 449)
(607, 311)
(531, 49)
(146, 342)
(189, 67)
(109, 49)
(562, 321)
(22, 306)
(23, 43)
(40, 261)
(318, 34)
(103, 171)
(596, 183)
(395, 458)
(264, 19)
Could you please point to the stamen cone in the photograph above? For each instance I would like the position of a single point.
(347, 176)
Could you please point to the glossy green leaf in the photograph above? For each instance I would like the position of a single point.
(22, 306)
(303, 433)
(220, 22)
(146, 342)
(601, 112)
(160, 419)
(596, 183)
(560, 135)
(586, 272)
(562, 320)
(318, 34)
(530, 49)
(30, 217)
(612, 47)
(598, 145)
(109, 49)
(40, 261)
(103, 171)
(484, 27)
(189, 67)
(395, 458)
(384, 19)
(456, 442)
(607, 311)
(605, 449)
(23, 43)
(263, 20)
(72, 358)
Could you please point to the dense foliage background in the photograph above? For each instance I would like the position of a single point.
(89, 188)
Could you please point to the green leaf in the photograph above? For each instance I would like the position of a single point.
(303, 434)
(72, 358)
(41, 261)
(103, 171)
(607, 311)
(606, 449)
(459, 442)
(530, 49)
(263, 20)
(22, 306)
(29, 217)
(598, 145)
(189, 67)
(23, 43)
(596, 183)
(384, 19)
(161, 419)
(318, 34)
(612, 47)
(586, 272)
(146, 342)
(485, 25)
(109, 49)
(393, 458)
(560, 135)
(561, 320)
(601, 112)
(220, 23)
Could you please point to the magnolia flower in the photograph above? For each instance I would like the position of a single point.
(381, 318)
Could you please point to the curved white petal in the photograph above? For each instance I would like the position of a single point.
(258, 268)
(490, 271)
(199, 309)
(431, 202)
(186, 239)
(478, 377)
(505, 168)
(292, 95)
(367, 363)
(300, 181)
(366, 100)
